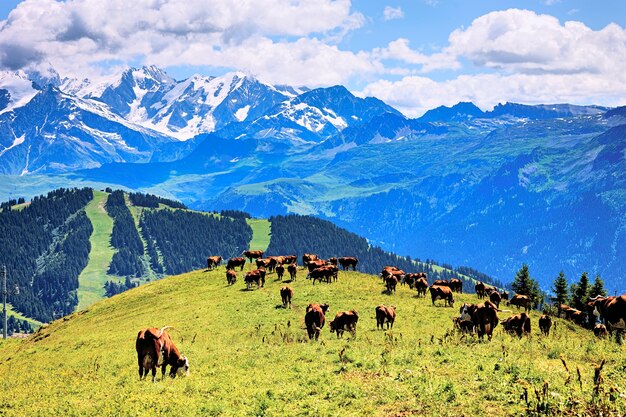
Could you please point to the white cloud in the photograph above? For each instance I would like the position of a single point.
(414, 95)
(391, 13)
(78, 34)
(400, 50)
(522, 41)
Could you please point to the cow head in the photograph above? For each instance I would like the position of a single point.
(324, 307)
(464, 313)
(181, 368)
(333, 326)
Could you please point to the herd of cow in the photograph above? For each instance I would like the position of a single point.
(155, 347)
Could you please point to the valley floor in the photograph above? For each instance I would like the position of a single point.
(249, 356)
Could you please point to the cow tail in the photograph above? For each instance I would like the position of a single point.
(163, 329)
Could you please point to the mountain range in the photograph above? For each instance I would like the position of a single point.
(540, 184)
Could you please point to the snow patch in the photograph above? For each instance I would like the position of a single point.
(242, 113)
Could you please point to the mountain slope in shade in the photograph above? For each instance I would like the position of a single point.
(458, 112)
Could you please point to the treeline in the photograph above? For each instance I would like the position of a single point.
(112, 288)
(18, 326)
(578, 294)
(179, 241)
(45, 246)
(479, 276)
(235, 214)
(153, 201)
(6, 205)
(124, 237)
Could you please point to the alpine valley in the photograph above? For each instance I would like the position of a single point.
(538, 184)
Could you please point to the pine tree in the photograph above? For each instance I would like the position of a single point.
(581, 293)
(525, 285)
(559, 287)
(597, 288)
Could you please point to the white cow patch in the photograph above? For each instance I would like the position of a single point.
(619, 325)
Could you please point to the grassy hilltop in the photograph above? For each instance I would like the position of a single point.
(249, 356)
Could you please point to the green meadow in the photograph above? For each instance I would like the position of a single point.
(251, 357)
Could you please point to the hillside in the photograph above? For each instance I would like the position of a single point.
(248, 356)
(136, 238)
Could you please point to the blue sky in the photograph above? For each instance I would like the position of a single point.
(414, 54)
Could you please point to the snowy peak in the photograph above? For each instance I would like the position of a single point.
(16, 89)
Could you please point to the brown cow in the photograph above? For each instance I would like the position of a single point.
(545, 323)
(612, 310)
(235, 262)
(600, 331)
(318, 263)
(348, 262)
(519, 301)
(326, 273)
(385, 314)
(256, 276)
(409, 279)
(155, 347)
(333, 261)
(480, 289)
(293, 270)
(465, 326)
(263, 263)
(290, 259)
(456, 285)
(344, 321)
(441, 293)
(213, 261)
(280, 271)
(483, 315)
(308, 257)
(253, 254)
(387, 271)
(442, 283)
(422, 285)
(391, 282)
(495, 298)
(231, 276)
(505, 295)
(314, 319)
(286, 294)
(518, 324)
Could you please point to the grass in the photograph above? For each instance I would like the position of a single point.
(250, 357)
(260, 234)
(93, 277)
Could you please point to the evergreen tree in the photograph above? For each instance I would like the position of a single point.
(559, 287)
(525, 285)
(581, 293)
(597, 288)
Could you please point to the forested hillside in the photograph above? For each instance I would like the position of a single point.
(45, 246)
(125, 238)
(296, 235)
(184, 239)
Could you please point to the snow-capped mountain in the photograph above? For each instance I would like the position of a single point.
(58, 132)
(16, 89)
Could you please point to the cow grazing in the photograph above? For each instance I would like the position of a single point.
(464, 326)
(290, 259)
(519, 301)
(263, 263)
(545, 323)
(385, 314)
(280, 271)
(422, 285)
(236, 262)
(441, 293)
(325, 273)
(256, 276)
(456, 285)
(318, 263)
(252, 254)
(612, 310)
(286, 294)
(308, 257)
(213, 261)
(155, 348)
(344, 321)
(600, 331)
(314, 319)
(409, 279)
(518, 324)
(495, 298)
(231, 276)
(293, 271)
(391, 282)
(348, 262)
(387, 271)
(333, 261)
